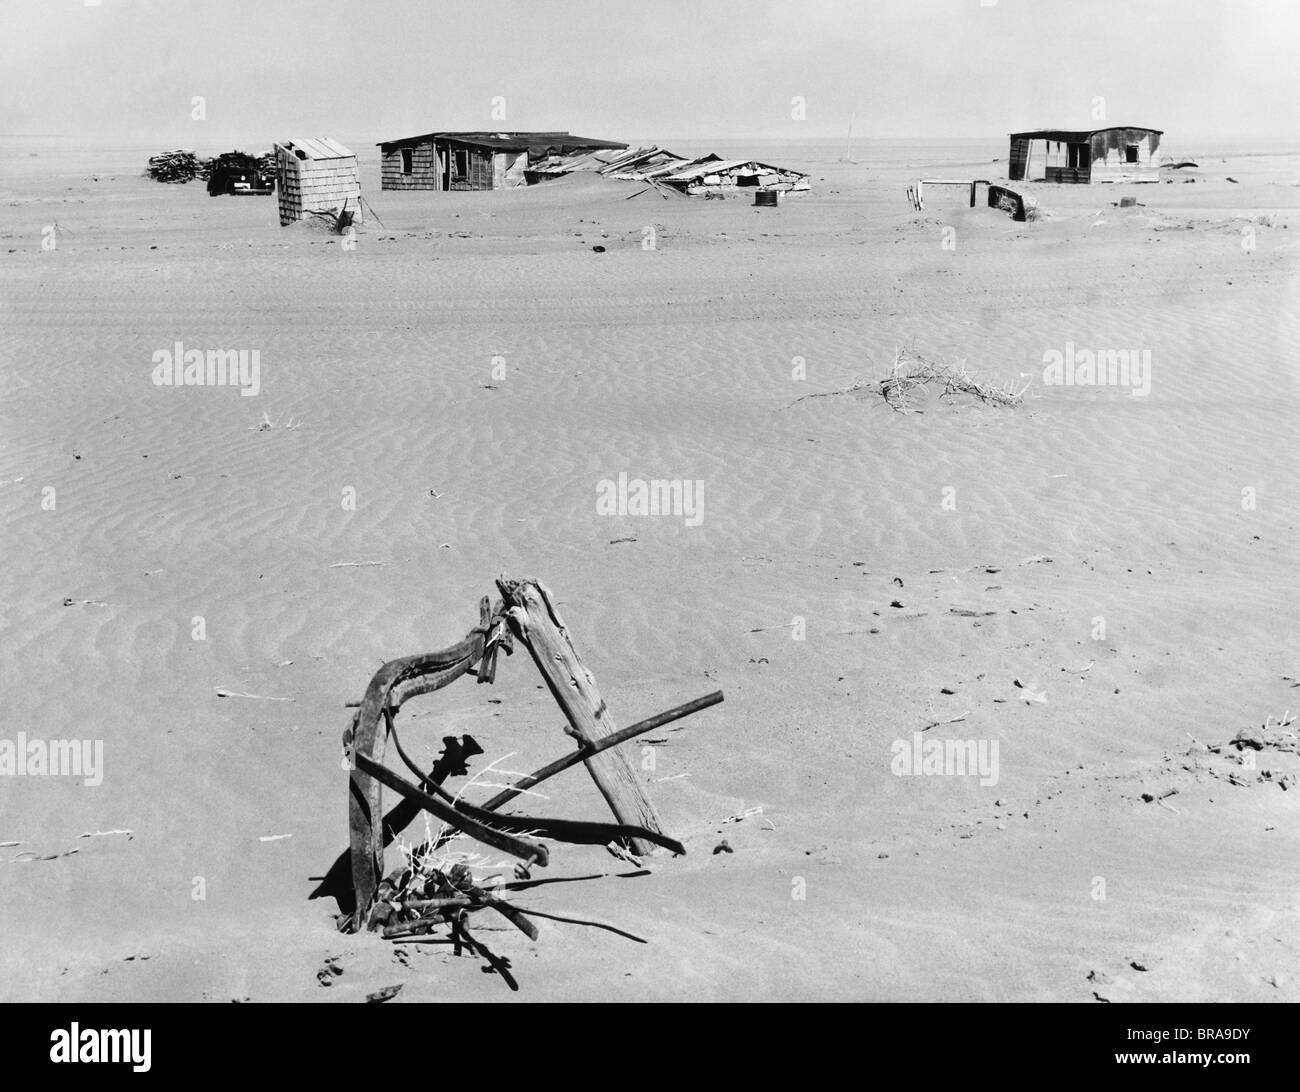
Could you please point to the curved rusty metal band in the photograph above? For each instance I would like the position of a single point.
(393, 684)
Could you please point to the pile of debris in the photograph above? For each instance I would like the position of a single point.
(178, 166)
(1250, 748)
(703, 176)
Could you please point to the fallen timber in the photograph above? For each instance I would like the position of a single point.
(536, 623)
(584, 753)
(494, 830)
(525, 613)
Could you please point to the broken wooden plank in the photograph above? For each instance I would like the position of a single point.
(406, 676)
(338, 880)
(534, 620)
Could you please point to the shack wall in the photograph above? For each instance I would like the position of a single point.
(424, 169)
(1110, 161)
(479, 176)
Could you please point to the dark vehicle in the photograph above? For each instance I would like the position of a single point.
(241, 175)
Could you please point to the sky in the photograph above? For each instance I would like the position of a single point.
(132, 70)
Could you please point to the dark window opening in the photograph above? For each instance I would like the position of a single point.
(1131, 153)
(462, 162)
(406, 161)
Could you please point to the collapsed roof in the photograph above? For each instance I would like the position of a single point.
(655, 164)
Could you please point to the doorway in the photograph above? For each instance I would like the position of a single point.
(1079, 161)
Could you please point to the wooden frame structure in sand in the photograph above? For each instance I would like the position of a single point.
(526, 611)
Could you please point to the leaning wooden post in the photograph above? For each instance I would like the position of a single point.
(531, 611)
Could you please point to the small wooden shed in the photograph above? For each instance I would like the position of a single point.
(1117, 153)
(316, 174)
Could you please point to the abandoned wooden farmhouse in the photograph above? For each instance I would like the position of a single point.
(475, 161)
(1112, 154)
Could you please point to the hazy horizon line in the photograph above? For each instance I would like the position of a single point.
(226, 135)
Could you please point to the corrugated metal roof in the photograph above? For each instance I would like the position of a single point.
(319, 147)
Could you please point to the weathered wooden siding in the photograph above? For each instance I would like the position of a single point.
(479, 176)
(307, 185)
(487, 170)
(1108, 156)
(1019, 158)
(424, 169)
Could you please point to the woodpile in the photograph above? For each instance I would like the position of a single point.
(178, 166)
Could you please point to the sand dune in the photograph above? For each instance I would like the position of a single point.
(377, 377)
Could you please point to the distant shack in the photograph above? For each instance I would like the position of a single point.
(315, 174)
(1112, 154)
(475, 161)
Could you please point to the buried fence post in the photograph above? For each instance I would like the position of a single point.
(532, 615)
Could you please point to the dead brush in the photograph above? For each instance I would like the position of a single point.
(429, 861)
(438, 885)
(913, 372)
